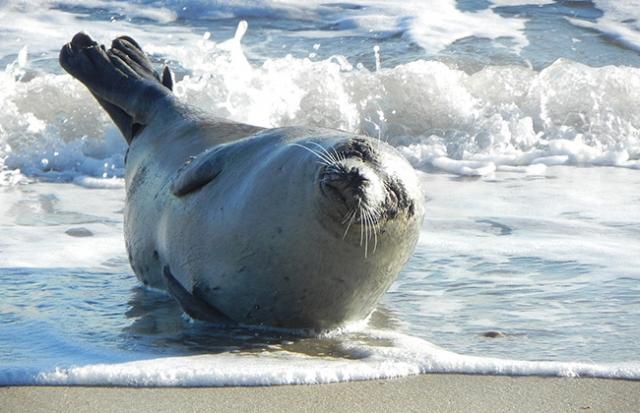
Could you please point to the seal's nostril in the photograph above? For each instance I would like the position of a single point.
(355, 179)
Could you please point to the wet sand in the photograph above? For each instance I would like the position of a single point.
(433, 393)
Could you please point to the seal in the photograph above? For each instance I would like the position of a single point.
(293, 227)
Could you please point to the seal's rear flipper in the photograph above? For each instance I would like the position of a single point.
(122, 79)
(123, 121)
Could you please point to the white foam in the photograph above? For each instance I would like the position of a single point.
(51, 126)
(99, 183)
(620, 22)
(521, 2)
(408, 356)
(433, 25)
(534, 169)
(438, 24)
(35, 220)
(45, 25)
(471, 168)
(438, 116)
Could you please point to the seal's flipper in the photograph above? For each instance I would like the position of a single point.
(197, 172)
(129, 51)
(123, 121)
(167, 78)
(192, 305)
(122, 79)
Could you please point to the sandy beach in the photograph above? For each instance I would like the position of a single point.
(433, 393)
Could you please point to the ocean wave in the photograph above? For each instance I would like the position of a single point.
(440, 117)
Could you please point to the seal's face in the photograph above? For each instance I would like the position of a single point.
(365, 186)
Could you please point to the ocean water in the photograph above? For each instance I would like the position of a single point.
(520, 116)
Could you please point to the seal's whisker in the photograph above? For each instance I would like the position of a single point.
(367, 233)
(347, 216)
(334, 168)
(322, 158)
(353, 217)
(326, 153)
(367, 230)
(375, 238)
(372, 231)
(373, 228)
(338, 157)
(361, 226)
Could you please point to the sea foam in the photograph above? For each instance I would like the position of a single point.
(438, 116)
(620, 22)
(407, 356)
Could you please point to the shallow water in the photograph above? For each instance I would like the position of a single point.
(521, 116)
(559, 280)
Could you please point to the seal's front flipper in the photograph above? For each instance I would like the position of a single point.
(121, 78)
(192, 305)
(197, 172)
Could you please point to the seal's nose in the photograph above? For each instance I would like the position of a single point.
(353, 183)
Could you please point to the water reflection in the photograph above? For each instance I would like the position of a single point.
(159, 326)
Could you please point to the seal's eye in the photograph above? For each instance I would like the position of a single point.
(397, 199)
(356, 148)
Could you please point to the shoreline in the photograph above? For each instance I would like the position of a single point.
(428, 392)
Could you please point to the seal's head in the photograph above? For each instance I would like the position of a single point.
(366, 187)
